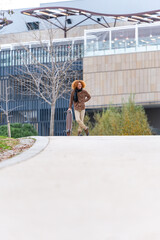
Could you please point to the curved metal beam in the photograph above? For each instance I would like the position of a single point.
(48, 13)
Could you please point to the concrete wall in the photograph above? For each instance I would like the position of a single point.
(44, 34)
(112, 78)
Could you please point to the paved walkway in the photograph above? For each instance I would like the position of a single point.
(84, 188)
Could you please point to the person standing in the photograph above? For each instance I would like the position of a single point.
(78, 97)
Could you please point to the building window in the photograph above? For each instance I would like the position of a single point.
(32, 25)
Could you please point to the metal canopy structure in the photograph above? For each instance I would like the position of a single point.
(63, 15)
(4, 22)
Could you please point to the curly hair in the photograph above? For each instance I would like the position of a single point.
(75, 84)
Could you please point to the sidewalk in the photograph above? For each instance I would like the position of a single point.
(84, 188)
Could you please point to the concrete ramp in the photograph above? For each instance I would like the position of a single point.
(84, 188)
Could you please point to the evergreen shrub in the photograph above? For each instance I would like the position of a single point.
(130, 119)
(19, 130)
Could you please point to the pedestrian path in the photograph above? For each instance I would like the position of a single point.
(84, 188)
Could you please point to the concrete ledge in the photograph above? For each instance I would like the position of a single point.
(38, 146)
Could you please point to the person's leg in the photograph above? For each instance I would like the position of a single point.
(79, 116)
(82, 113)
(79, 130)
(82, 119)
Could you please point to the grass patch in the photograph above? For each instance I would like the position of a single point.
(7, 143)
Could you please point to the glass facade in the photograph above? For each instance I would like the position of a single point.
(133, 38)
(29, 108)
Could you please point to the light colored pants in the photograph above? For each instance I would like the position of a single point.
(79, 115)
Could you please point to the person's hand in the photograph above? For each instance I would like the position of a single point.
(69, 109)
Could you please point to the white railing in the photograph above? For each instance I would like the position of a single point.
(125, 39)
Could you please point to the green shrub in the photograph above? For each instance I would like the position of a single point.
(134, 119)
(18, 130)
(3, 130)
(108, 123)
(128, 120)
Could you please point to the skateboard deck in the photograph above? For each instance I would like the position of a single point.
(69, 122)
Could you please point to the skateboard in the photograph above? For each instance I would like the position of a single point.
(69, 122)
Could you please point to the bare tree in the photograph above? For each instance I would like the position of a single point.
(5, 99)
(47, 73)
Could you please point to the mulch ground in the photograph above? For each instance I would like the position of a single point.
(16, 146)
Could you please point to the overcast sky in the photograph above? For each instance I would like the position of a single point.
(103, 6)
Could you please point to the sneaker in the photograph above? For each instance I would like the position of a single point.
(79, 133)
(87, 131)
(68, 133)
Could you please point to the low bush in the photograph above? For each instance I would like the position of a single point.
(130, 119)
(134, 120)
(19, 130)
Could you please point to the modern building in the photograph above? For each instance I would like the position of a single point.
(117, 55)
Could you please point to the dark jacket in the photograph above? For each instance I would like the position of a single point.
(83, 96)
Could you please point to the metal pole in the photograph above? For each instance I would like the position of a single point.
(65, 27)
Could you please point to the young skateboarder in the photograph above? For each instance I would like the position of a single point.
(78, 97)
